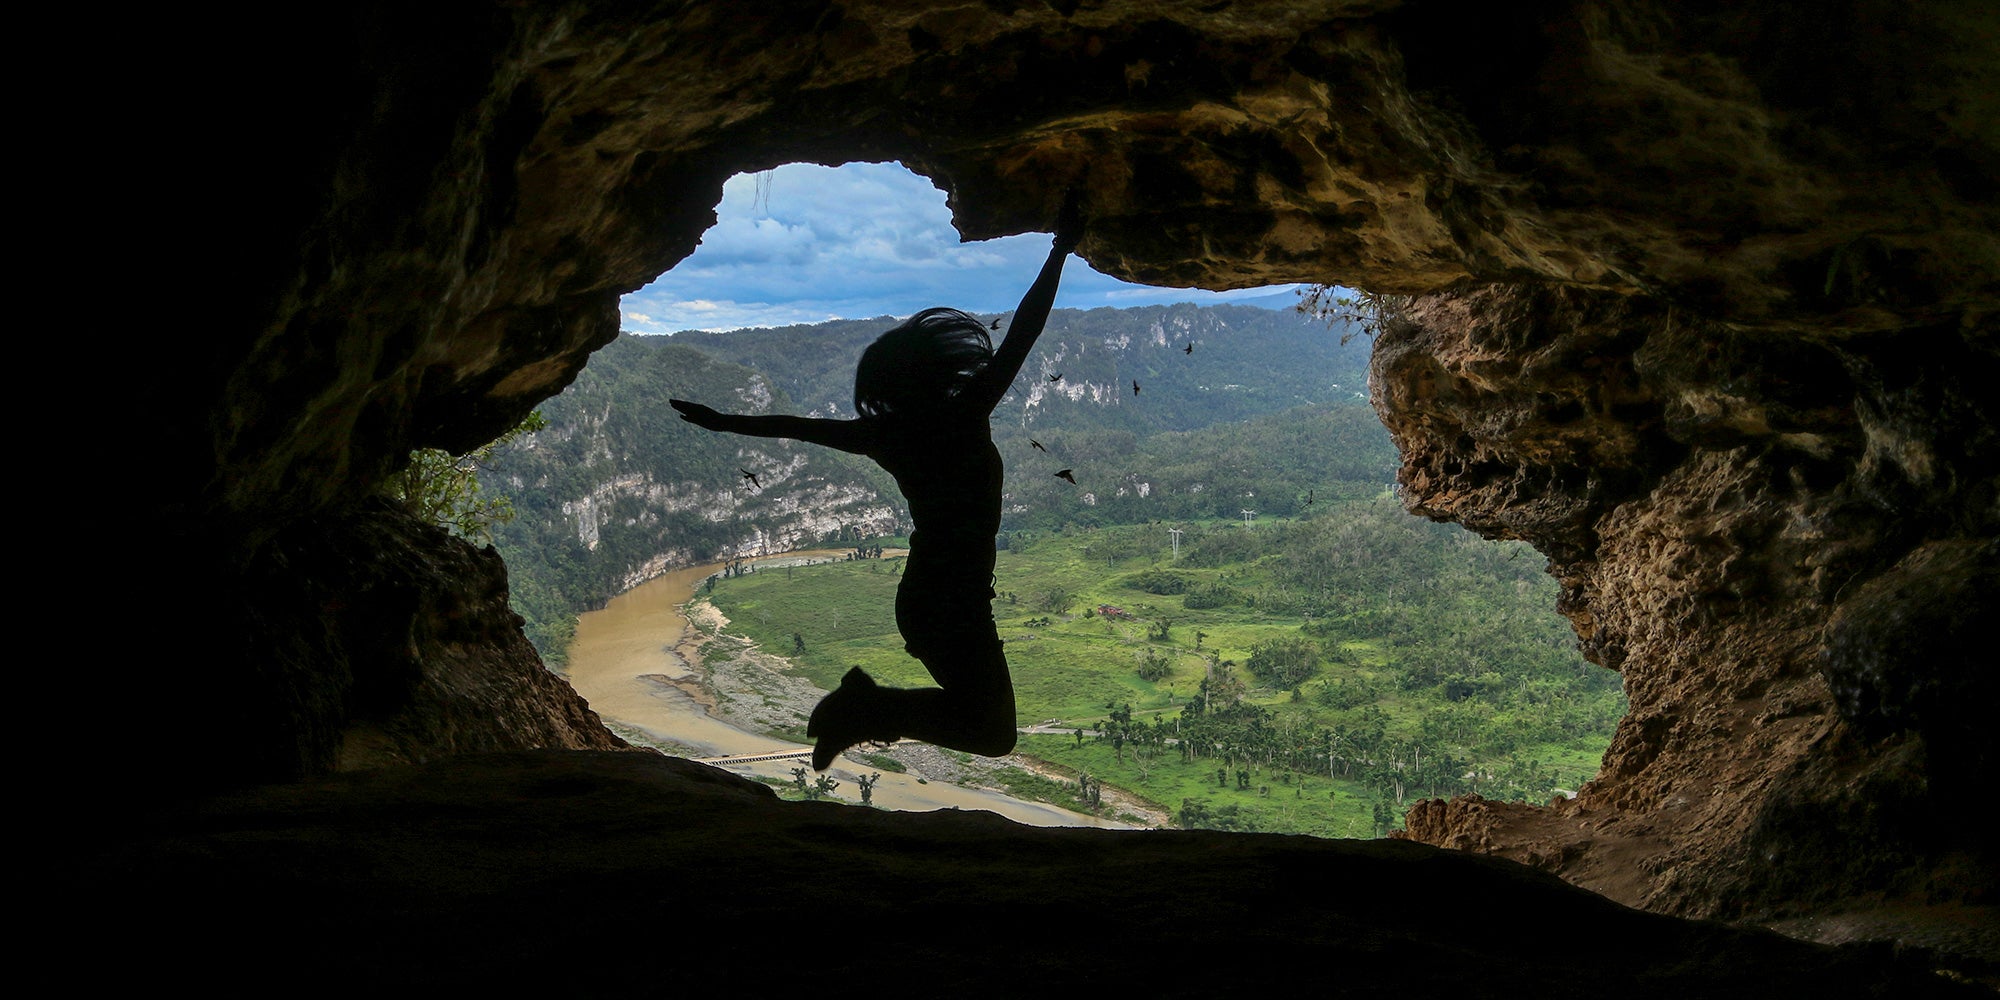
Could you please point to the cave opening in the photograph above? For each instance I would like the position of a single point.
(1455, 676)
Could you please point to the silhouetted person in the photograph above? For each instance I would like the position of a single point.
(925, 392)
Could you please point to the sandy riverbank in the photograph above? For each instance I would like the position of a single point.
(690, 689)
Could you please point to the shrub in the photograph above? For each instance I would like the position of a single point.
(1155, 581)
(1215, 595)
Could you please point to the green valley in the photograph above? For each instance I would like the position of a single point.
(1310, 675)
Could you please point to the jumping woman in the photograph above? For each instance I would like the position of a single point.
(925, 392)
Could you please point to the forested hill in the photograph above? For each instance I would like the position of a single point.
(1267, 410)
(1246, 361)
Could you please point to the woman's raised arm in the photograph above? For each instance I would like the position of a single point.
(1033, 312)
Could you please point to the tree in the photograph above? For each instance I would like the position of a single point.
(444, 489)
(867, 783)
(1090, 790)
(1365, 313)
(1285, 663)
(1221, 690)
(1057, 600)
(1193, 814)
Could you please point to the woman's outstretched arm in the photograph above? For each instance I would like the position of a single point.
(846, 435)
(1033, 312)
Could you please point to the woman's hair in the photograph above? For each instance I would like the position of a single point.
(919, 366)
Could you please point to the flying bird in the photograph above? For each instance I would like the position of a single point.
(750, 479)
(1065, 474)
(1189, 349)
(1038, 446)
(1057, 377)
(1135, 387)
(1309, 498)
(996, 323)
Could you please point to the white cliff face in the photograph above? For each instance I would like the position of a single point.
(1048, 385)
(800, 520)
(1058, 359)
(659, 565)
(786, 513)
(756, 397)
(590, 513)
(791, 503)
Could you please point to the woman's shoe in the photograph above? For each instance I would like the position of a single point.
(840, 720)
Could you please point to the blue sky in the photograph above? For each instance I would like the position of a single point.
(805, 243)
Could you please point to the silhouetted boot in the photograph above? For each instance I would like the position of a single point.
(846, 717)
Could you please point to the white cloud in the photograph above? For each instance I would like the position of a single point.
(806, 243)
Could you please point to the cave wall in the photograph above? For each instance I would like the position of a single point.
(1703, 288)
(1729, 511)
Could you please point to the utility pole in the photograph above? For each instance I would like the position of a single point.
(1176, 532)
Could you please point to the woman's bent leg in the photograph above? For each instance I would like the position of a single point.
(949, 627)
(860, 711)
(972, 709)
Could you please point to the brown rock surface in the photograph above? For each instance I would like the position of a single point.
(1708, 310)
(582, 874)
(1719, 503)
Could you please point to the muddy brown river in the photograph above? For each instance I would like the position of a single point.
(632, 663)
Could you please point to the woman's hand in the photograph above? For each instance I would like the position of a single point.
(1069, 220)
(695, 413)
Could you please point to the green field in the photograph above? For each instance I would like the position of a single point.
(1432, 662)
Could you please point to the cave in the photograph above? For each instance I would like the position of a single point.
(1698, 298)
